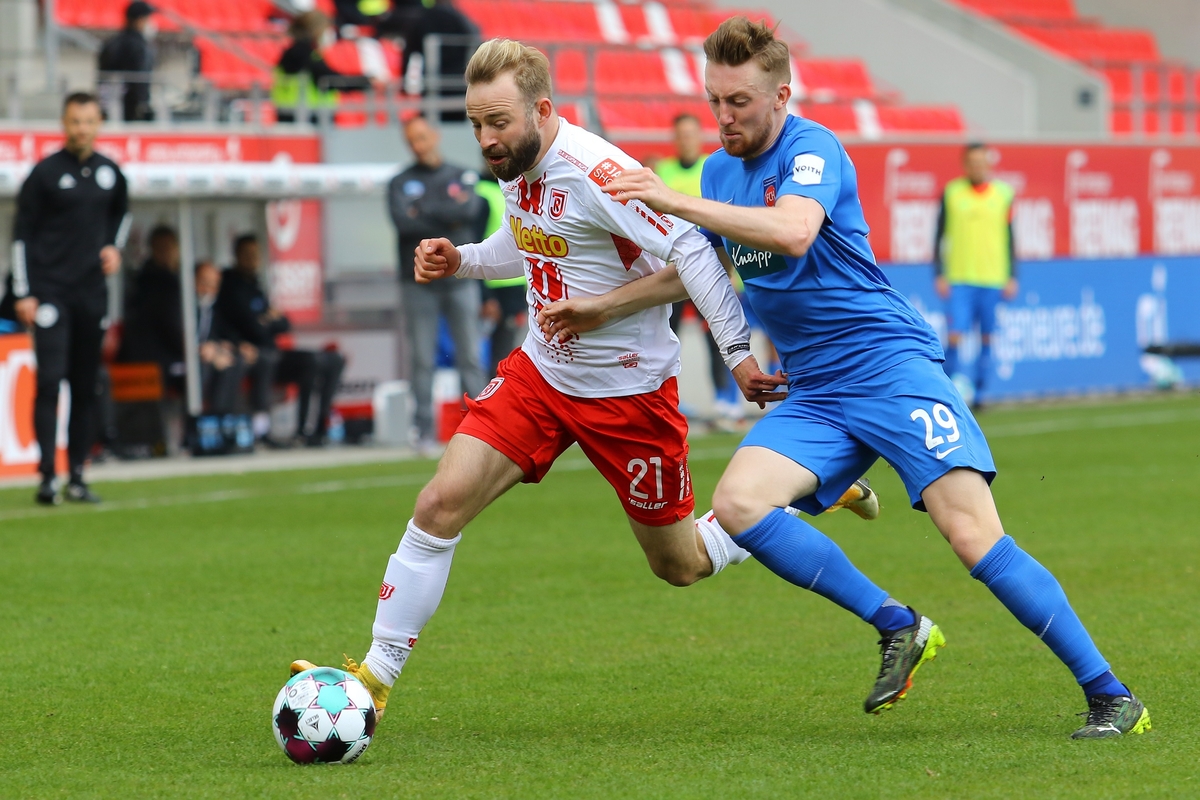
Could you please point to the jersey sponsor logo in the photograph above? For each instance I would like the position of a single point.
(605, 172)
(67, 181)
(385, 591)
(629, 360)
(106, 177)
(769, 192)
(533, 239)
(490, 389)
(558, 203)
(530, 195)
(46, 315)
(807, 169)
(754, 263)
(572, 160)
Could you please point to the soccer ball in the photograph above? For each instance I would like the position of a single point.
(323, 715)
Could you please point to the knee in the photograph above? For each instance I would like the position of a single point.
(737, 511)
(436, 511)
(675, 573)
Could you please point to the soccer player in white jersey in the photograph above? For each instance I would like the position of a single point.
(613, 390)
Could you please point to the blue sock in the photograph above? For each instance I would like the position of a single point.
(801, 554)
(951, 362)
(983, 365)
(1105, 684)
(892, 616)
(1035, 598)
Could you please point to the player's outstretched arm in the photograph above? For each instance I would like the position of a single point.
(788, 228)
(571, 317)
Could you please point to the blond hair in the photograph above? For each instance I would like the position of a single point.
(529, 67)
(738, 40)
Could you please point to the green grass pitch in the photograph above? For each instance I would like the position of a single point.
(144, 641)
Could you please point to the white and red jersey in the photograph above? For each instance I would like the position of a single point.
(576, 241)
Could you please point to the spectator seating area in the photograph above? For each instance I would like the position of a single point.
(628, 66)
(638, 65)
(1164, 101)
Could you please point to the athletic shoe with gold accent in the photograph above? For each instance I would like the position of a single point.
(1110, 715)
(903, 652)
(860, 499)
(379, 690)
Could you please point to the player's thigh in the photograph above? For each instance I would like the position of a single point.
(470, 475)
(914, 417)
(960, 504)
(673, 551)
(51, 345)
(801, 454)
(959, 309)
(639, 444)
(986, 303)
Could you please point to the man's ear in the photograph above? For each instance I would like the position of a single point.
(783, 95)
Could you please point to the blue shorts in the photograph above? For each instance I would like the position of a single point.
(910, 415)
(968, 304)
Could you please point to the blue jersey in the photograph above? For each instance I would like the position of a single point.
(831, 313)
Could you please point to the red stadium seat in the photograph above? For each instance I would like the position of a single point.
(570, 72)
(549, 20)
(827, 80)
(651, 114)
(920, 119)
(838, 117)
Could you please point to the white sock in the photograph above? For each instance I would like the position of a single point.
(722, 550)
(412, 588)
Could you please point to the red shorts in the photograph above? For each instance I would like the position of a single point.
(639, 443)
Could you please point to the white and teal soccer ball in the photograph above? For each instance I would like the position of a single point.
(323, 715)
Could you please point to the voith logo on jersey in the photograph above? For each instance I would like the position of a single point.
(807, 169)
(533, 239)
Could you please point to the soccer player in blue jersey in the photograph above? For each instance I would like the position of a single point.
(864, 379)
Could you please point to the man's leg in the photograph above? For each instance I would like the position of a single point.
(988, 300)
(460, 304)
(330, 365)
(86, 339)
(299, 367)
(470, 475)
(262, 379)
(52, 348)
(957, 321)
(961, 506)
(421, 321)
(800, 554)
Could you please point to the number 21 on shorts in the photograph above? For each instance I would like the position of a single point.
(947, 427)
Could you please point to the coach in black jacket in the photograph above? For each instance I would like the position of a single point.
(72, 219)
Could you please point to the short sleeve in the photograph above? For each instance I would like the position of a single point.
(708, 192)
(632, 219)
(811, 166)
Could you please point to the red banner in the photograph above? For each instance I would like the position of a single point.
(168, 148)
(297, 282)
(19, 453)
(1078, 201)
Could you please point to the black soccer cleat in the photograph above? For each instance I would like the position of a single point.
(47, 493)
(903, 652)
(1109, 716)
(78, 492)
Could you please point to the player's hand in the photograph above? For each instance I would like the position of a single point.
(756, 385)
(942, 286)
(110, 259)
(566, 319)
(1010, 289)
(25, 309)
(435, 258)
(644, 185)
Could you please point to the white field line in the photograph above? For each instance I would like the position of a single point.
(322, 487)
(1131, 419)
